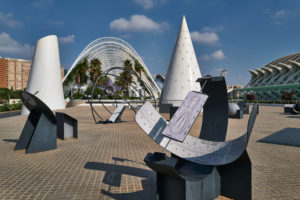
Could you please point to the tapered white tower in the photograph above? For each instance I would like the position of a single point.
(45, 75)
(183, 70)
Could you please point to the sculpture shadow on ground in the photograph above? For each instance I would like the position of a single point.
(295, 117)
(10, 114)
(113, 177)
(10, 140)
(286, 136)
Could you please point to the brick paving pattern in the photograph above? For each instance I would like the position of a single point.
(106, 161)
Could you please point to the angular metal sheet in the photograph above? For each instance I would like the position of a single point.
(184, 118)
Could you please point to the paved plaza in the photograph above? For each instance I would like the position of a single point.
(106, 161)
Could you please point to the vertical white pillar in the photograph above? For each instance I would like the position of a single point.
(45, 74)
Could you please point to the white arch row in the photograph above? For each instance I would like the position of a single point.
(275, 74)
(112, 52)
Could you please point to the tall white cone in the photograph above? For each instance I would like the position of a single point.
(45, 74)
(183, 70)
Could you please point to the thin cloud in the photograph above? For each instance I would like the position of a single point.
(8, 20)
(11, 47)
(43, 3)
(205, 37)
(217, 55)
(280, 14)
(213, 29)
(147, 4)
(137, 23)
(67, 39)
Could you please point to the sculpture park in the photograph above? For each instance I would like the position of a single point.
(116, 126)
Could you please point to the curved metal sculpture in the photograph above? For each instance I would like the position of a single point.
(111, 90)
(194, 149)
(112, 52)
(197, 150)
(200, 168)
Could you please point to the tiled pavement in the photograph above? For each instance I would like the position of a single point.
(106, 161)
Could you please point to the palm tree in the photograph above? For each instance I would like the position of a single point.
(83, 67)
(95, 69)
(125, 76)
(138, 67)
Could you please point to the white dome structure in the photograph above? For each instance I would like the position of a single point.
(45, 74)
(183, 70)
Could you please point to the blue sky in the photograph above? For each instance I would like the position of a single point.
(229, 34)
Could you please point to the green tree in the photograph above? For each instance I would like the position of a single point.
(95, 69)
(126, 77)
(78, 74)
(138, 67)
(83, 67)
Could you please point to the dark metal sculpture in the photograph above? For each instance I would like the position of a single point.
(110, 89)
(244, 107)
(39, 132)
(67, 126)
(201, 168)
(297, 108)
(292, 108)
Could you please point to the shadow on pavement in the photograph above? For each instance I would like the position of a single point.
(113, 177)
(286, 136)
(10, 114)
(10, 140)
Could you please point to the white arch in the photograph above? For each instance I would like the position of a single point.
(112, 51)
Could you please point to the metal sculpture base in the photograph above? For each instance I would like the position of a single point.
(236, 178)
(179, 179)
(38, 134)
(289, 108)
(165, 108)
(67, 126)
(238, 115)
(244, 107)
(173, 110)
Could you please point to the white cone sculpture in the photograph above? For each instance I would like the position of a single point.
(45, 75)
(183, 70)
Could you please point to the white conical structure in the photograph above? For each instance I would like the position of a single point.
(183, 70)
(45, 74)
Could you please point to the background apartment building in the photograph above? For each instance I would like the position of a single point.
(14, 73)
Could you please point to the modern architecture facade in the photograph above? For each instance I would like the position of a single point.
(183, 71)
(14, 73)
(276, 79)
(112, 52)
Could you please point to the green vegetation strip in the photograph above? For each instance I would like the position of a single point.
(272, 87)
(10, 107)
